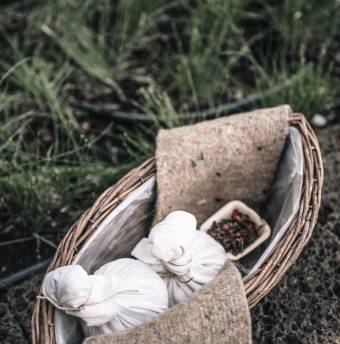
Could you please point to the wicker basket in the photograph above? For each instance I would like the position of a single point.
(257, 285)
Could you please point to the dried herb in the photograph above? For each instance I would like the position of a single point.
(234, 233)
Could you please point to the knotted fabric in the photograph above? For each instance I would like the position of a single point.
(185, 257)
(121, 294)
(217, 314)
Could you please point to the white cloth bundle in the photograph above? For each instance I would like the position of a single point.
(186, 258)
(119, 295)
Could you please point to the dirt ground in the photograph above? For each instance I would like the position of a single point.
(303, 308)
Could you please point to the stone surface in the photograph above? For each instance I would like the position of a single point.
(303, 308)
(319, 121)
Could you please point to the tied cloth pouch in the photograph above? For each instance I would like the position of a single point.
(200, 168)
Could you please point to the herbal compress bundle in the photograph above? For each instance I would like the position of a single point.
(172, 263)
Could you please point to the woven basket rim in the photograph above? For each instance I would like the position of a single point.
(257, 285)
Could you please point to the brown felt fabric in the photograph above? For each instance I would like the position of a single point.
(200, 167)
(217, 314)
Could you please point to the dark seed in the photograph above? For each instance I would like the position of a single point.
(193, 163)
(235, 233)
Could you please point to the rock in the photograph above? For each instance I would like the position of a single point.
(319, 121)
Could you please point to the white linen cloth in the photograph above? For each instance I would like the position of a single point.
(121, 294)
(186, 258)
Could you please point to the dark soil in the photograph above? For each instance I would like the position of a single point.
(303, 308)
(16, 308)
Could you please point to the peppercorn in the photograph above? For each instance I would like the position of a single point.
(234, 233)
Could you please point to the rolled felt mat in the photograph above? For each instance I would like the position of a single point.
(201, 167)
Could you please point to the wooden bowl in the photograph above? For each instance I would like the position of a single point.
(226, 211)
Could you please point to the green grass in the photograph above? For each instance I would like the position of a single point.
(158, 57)
(313, 90)
(206, 51)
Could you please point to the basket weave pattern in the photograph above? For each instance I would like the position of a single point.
(257, 285)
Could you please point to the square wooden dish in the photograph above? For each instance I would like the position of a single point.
(226, 211)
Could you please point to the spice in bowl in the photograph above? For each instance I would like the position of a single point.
(235, 233)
